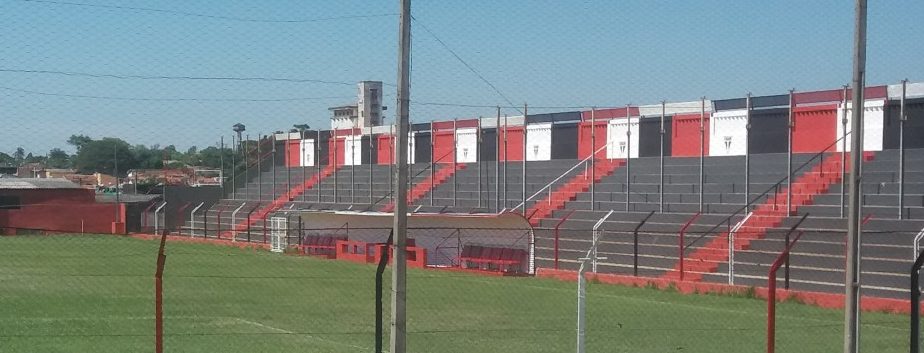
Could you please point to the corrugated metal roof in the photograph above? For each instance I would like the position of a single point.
(37, 183)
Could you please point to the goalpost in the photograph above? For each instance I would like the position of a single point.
(278, 234)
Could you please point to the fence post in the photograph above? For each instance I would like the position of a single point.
(702, 150)
(916, 304)
(233, 170)
(506, 160)
(317, 162)
(901, 152)
(336, 163)
(660, 160)
(771, 295)
(455, 147)
(843, 152)
(157, 210)
(371, 167)
(791, 128)
(593, 158)
(478, 159)
(192, 219)
(159, 297)
(259, 171)
(497, 207)
(747, 152)
(274, 166)
(525, 132)
(628, 155)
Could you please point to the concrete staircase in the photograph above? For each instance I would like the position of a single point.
(580, 183)
(421, 189)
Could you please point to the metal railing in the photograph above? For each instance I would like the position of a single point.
(635, 243)
(775, 187)
(771, 294)
(550, 184)
(682, 239)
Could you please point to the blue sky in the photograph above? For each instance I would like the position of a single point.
(545, 53)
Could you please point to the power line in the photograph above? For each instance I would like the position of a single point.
(470, 68)
(202, 15)
(188, 78)
(145, 99)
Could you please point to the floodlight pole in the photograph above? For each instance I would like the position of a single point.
(399, 272)
(593, 159)
(496, 162)
(702, 150)
(901, 152)
(790, 129)
(747, 153)
(852, 280)
(661, 159)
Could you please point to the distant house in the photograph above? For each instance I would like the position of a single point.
(54, 205)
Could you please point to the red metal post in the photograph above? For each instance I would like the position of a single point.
(556, 235)
(771, 294)
(683, 231)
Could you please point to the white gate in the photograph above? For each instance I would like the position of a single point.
(307, 147)
(539, 142)
(278, 238)
(467, 145)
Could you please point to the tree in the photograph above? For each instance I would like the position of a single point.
(79, 141)
(6, 160)
(57, 158)
(100, 155)
(19, 156)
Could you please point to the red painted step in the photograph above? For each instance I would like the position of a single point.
(568, 192)
(276, 204)
(817, 180)
(424, 187)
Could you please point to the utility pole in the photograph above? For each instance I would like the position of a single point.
(852, 280)
(399, 270)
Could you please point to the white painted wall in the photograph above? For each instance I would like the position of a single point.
(352, 150)
(620, 146)
(467, 145)
(873, 117)
(539, 142)
(728, 133)
(307, 152)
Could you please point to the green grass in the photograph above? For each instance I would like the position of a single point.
(95, 294)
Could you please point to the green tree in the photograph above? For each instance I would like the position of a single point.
(19, 156)
(6, 160)
(100, 156)
(57, 158)
(79, 141)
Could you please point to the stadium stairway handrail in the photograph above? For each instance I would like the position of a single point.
(751, 201)
(549, 185)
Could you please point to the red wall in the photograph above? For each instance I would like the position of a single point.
(385, 153)
(607, 114)
(514, 151)
(444, 146)
(335, 150)
(60, 210)
(293, 153)
(685, 135)
(814, 128)
(585, 140)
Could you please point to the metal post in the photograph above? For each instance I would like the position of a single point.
(336, 163)
(274, 166)
(259, 172)
(233, 171)
(506, 160)
(747, 152)
(477, 159)
(455, 151)
(790, 130)
(916, 303)
(844, 154)
(221, 160)
(852, 280)
(497, 162)
(394, 156)
(525, 120)
(432, 160)
(352, 167)
(901, 152)
(702, 150)
(243, 148)
(628, 156)
(399, 271)
(661, 160)
(317, 162)
(593, 159)
(371, 165)
(302, 162)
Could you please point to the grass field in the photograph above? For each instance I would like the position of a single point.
(95, 294)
